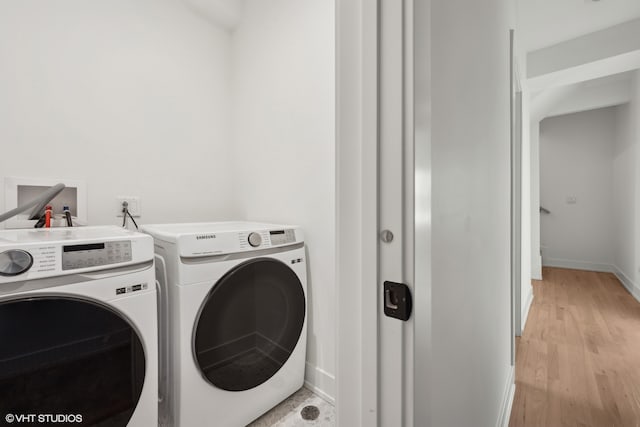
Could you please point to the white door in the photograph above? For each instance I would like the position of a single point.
(375, 213)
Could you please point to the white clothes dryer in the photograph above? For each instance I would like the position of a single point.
(234, 299)
(78, 327)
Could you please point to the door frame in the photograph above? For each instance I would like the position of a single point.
(356, 198)
(515, 232)
(358, 300)
(518, 281)
(516, 149)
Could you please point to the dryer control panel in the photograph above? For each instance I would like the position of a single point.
(282, 237)
(260, 239)
(224, 238)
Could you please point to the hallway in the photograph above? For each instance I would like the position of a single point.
(578, 361)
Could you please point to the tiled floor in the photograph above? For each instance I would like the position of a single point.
(287, 414)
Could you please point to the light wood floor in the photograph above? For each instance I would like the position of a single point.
(578, 361)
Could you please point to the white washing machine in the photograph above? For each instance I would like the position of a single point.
(234, 297)
(78, 328)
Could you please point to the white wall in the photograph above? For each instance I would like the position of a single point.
(470, 161)
(624, 206)
(221, 13)
(131, 97)
(284, 133)
(137, 98)
(576, 160)
(626, 191)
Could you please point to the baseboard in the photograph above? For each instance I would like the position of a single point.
(320, 382)
(527, 307)
(536, 269)
(577, 265)
(507, 400)
(632, 287)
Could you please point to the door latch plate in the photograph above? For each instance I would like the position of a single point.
(397, 300)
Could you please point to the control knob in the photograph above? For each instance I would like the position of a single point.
(14, 262)
(255, 240)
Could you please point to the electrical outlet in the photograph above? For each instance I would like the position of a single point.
(572, 200)
(134, 205)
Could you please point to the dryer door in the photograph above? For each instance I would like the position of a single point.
(249, 324)
(68, 361)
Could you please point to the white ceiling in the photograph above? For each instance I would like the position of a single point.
(544, 23)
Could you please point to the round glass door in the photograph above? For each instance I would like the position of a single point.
(249, 324)
(73, 361)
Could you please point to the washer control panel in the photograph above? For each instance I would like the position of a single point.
(95, 254)
(282, 237)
